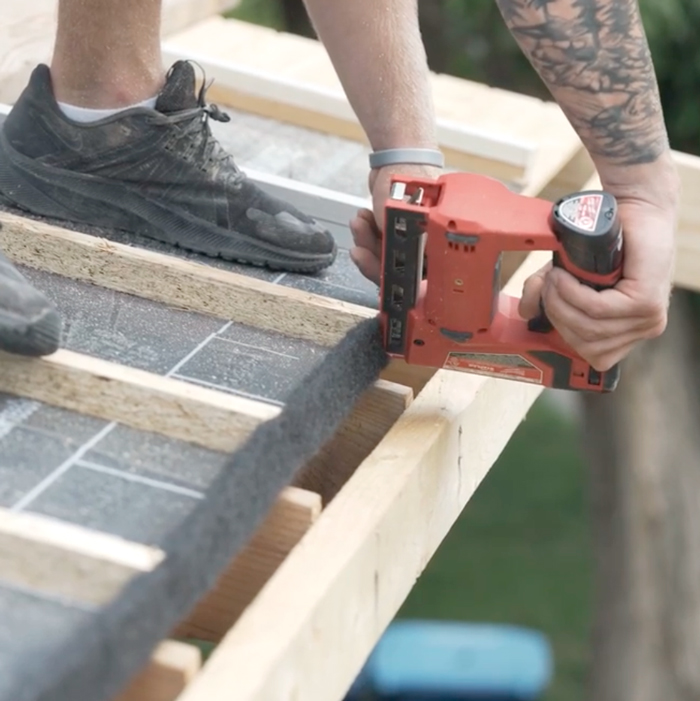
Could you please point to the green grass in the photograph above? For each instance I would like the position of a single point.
(520, 551)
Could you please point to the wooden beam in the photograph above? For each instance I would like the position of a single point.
(174, 408)
(68, 562)
(272, 89)
(306, 637)
(687, 265)
(180, 283)
(687, 272)
(172, 667)
(27, 34)
(276, 538)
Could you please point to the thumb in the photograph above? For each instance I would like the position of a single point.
(529, 306)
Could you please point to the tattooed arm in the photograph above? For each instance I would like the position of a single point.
(594, 58)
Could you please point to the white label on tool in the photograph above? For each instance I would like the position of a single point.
(582, 211)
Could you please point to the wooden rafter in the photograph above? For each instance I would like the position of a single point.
(67, 561)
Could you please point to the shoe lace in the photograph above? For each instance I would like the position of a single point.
(202, 146)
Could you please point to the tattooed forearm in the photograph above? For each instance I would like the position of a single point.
(594, 58)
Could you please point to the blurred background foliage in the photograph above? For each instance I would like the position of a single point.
(521, 551)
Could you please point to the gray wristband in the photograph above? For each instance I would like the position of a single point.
(415, 156)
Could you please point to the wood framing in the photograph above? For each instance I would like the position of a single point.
(185, 411)
(687, 273)
(88, 568)
(328, 110)
(181, 283)
(300, 608)
(290, 78)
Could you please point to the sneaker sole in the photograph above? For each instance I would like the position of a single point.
(94, 201)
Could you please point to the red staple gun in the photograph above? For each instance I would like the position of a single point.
(441, 304)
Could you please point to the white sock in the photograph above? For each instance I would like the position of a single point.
(87, 114)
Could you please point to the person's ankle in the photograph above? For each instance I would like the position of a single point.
(105, 91)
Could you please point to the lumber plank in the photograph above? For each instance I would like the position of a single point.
(306, 637)
(238, 586)
(687, 262)
(687, 271)
(27, 33)
(180, 283)
(136, 398)
(172, 667)
(264, 81)
(185, 411)
(66, 561)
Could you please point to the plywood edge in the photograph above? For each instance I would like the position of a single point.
(687, 262)
(135, 398)
(286, 524)
(250, 89)
(307, 637)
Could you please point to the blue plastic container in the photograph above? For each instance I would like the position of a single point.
(454, 661)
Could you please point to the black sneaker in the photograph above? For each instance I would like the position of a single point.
(29, 323)
(159, 173)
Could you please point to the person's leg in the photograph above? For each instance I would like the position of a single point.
(146, 161)
(107, 53)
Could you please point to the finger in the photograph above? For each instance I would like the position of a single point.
(572, 323)
(603, 304)
(365, 235)
(529, 305)
(605, 354)
(368, 264)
